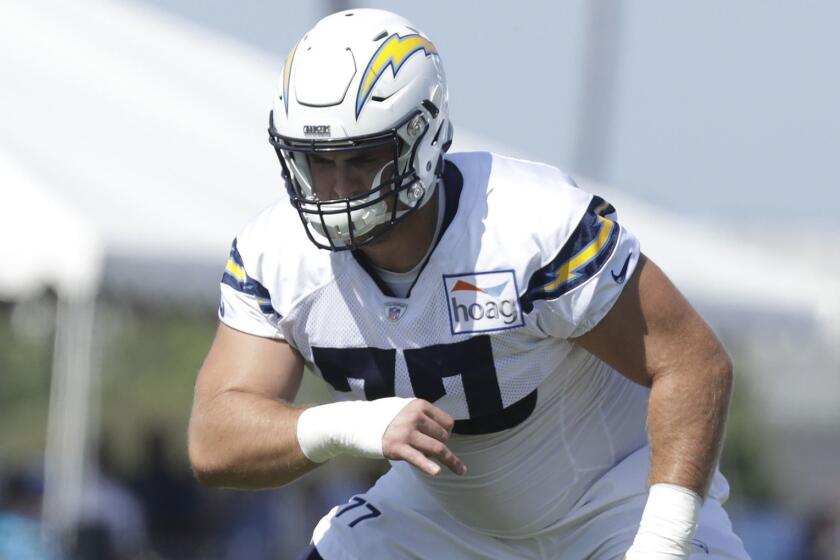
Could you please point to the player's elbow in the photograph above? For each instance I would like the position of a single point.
(719, 369)
(205, 460)
(201, 463)
(207, 469)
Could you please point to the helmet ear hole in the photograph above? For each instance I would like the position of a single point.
(431, 108)
(450, 132)
(437, 134)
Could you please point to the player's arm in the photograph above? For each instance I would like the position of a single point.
(242, 431)
(653, 336)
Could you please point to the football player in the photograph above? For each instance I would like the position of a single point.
(539, 386)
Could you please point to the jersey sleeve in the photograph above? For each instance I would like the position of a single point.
(246, 303)
(571, 292)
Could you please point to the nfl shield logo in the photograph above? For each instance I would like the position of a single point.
(394, 310)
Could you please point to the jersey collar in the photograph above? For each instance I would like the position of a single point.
(451, 185)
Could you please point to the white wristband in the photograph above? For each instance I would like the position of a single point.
(668, 524)
(351, 427)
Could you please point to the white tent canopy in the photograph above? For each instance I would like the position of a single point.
(45, 243)
(153, 130)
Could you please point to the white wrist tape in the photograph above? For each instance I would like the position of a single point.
(351, 427)
(668, 524)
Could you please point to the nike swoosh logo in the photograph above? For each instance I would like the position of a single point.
(619, 278)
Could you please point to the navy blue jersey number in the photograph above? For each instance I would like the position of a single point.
(369, 511)
(471, 359)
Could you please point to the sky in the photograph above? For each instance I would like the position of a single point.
(722, 110)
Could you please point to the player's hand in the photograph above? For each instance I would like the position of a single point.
(418, 434)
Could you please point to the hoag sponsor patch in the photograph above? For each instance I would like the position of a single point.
(482, 301)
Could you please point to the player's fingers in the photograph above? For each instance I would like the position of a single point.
(439, 416)
(432, 428)
(431, 447)
(418, 459)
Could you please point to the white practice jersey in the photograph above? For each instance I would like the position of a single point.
(524, 261)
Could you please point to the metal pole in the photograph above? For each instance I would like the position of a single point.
(68, 425)
(333, 6)
(599, 79)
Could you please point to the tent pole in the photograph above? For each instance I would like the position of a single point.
(68, 424)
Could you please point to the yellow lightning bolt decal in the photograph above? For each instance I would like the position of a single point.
(393, 52)
(236, 271)
(569, 270)
(287, 75)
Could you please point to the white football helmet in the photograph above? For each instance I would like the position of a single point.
(362, 79)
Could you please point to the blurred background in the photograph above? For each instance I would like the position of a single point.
(133, 148)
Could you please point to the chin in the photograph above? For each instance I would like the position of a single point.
(378, 237)
(383, 233)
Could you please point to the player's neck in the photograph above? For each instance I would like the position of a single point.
(404, 247)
